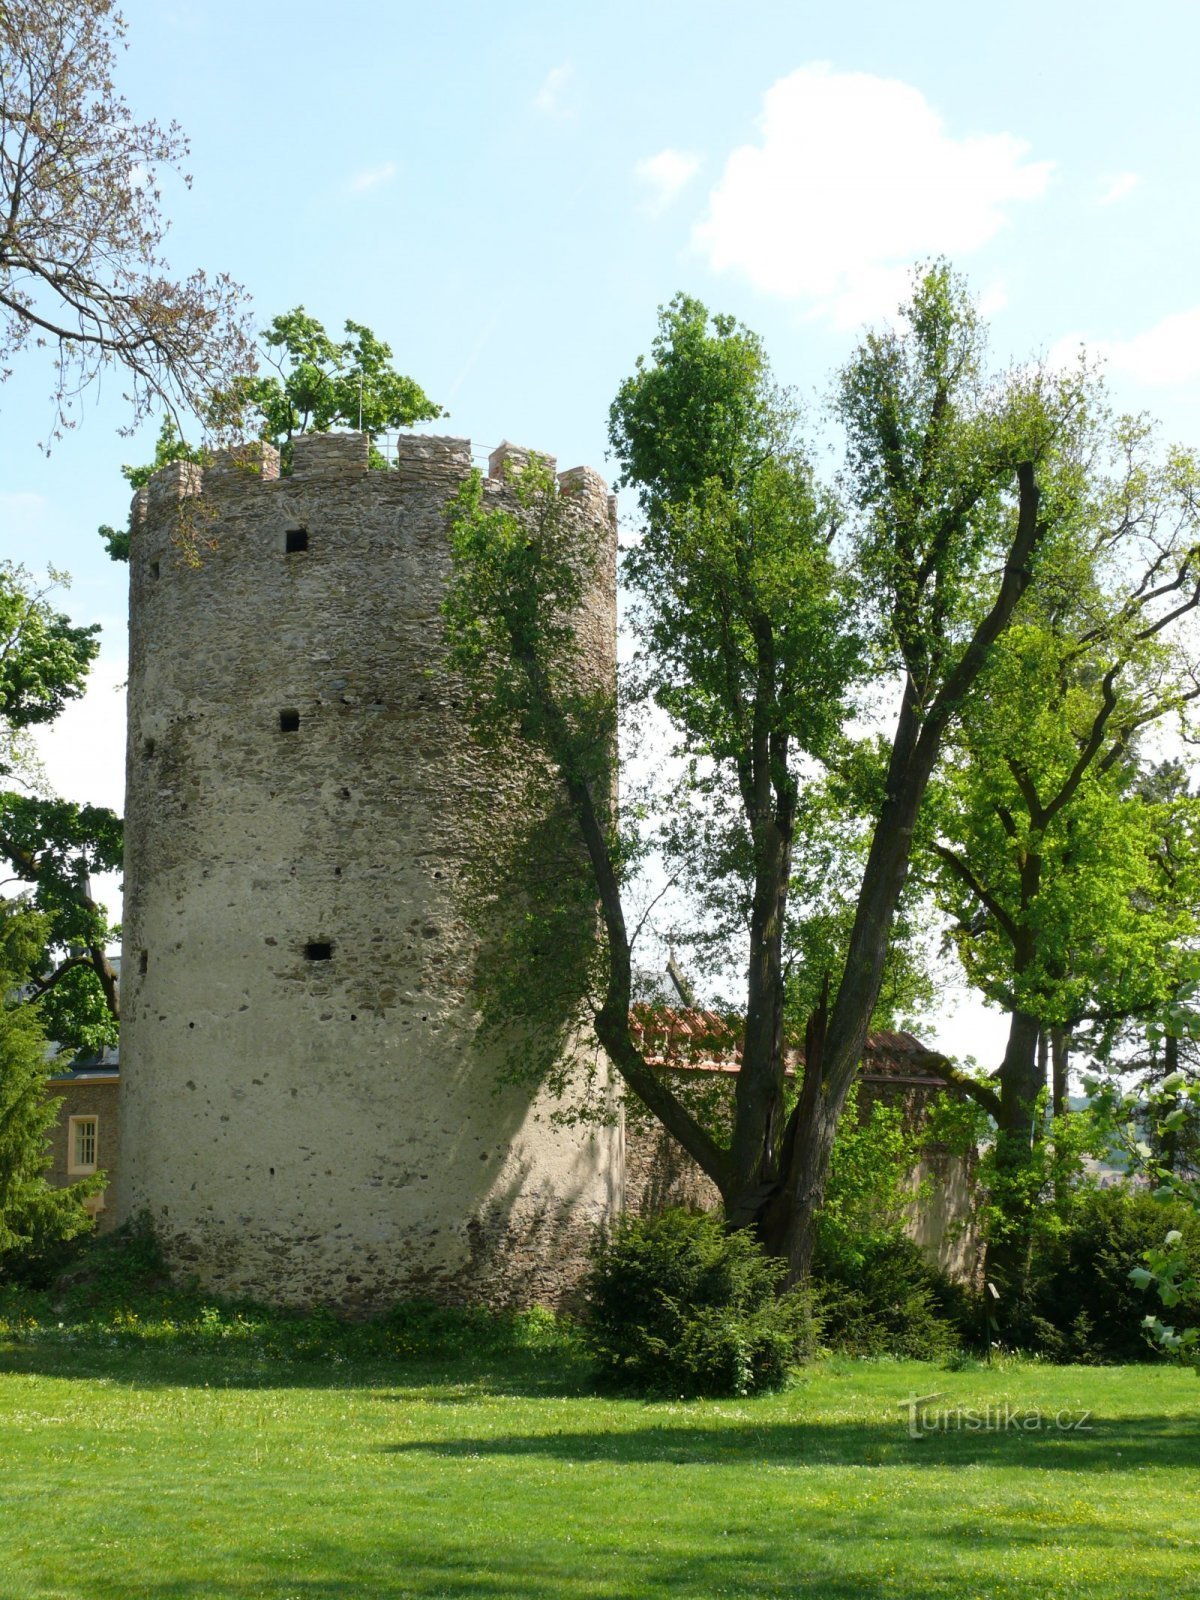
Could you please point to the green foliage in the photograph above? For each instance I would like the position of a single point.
(1067, 866)
(886, 1300)
(168, 447)
(878, 1296)
(1171, 1261)
(36, 1220)
(320, 384)
(957, 1123)
(1029, 1201)
(521, 574)
(323, 384)
(1083, 1303)
(742, 620)
(50, 846)
(523, 569)
(762, 631)
(834, 820)
(1053, 871)
(44, 656)
(676, 1305)
(870, 1185)
(54, 847)
(932, 447)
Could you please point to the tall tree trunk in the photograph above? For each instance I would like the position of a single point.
(1043, 1049)
(758, 1094)
(1169, 1141)
(827, 1083)
(1022, 1079)
(1060, 1056)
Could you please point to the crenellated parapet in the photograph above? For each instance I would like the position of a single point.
(341, 460)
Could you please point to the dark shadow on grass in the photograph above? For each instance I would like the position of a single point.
(471, 1579)
(141, 1365)
(1106, 1445)
(835, 1559)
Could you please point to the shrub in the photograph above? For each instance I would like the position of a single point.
(1082, 1304)
(677, 1305)
(870, 1186)
(889, 1302)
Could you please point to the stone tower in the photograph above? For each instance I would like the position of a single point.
(308, 1113)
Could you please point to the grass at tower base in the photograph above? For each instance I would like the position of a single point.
(145, 1452)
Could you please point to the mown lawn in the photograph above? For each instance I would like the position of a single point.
(137, 1469)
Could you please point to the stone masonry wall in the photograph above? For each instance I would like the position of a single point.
(308, 1114)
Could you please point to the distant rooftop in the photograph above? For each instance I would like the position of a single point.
(692, 1039)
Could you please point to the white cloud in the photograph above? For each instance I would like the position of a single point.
(1122, 184)
(551, 97)
(663, 177)
(855, 178)
(1161, 356)
(371, 178)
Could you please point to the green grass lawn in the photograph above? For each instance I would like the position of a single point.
(133, 1468)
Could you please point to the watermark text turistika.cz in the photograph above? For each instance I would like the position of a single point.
(925, 1416)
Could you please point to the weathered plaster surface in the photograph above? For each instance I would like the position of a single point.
(323, 1130)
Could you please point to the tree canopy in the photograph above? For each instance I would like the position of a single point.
(762, 611)
(321, 383)
(81, 223)
(1071, 883)
(52, 847)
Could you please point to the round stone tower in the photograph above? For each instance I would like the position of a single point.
(308, 1112)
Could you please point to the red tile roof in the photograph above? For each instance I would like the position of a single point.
(695, 1040)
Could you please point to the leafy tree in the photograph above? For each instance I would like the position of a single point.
(1158, 1044)
(870, 1185)
(52, 847)
(35, 1218)
(1169, 1269)
(757, 619)
(1072, 886)
(44, 658)
(169, 446)
(80, 240)
(321, 384)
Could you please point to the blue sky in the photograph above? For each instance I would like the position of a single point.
(506, 194)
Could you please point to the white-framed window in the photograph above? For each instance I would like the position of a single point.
(82, 1136)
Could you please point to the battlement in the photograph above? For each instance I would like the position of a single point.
(319, 455)
(331, 459)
